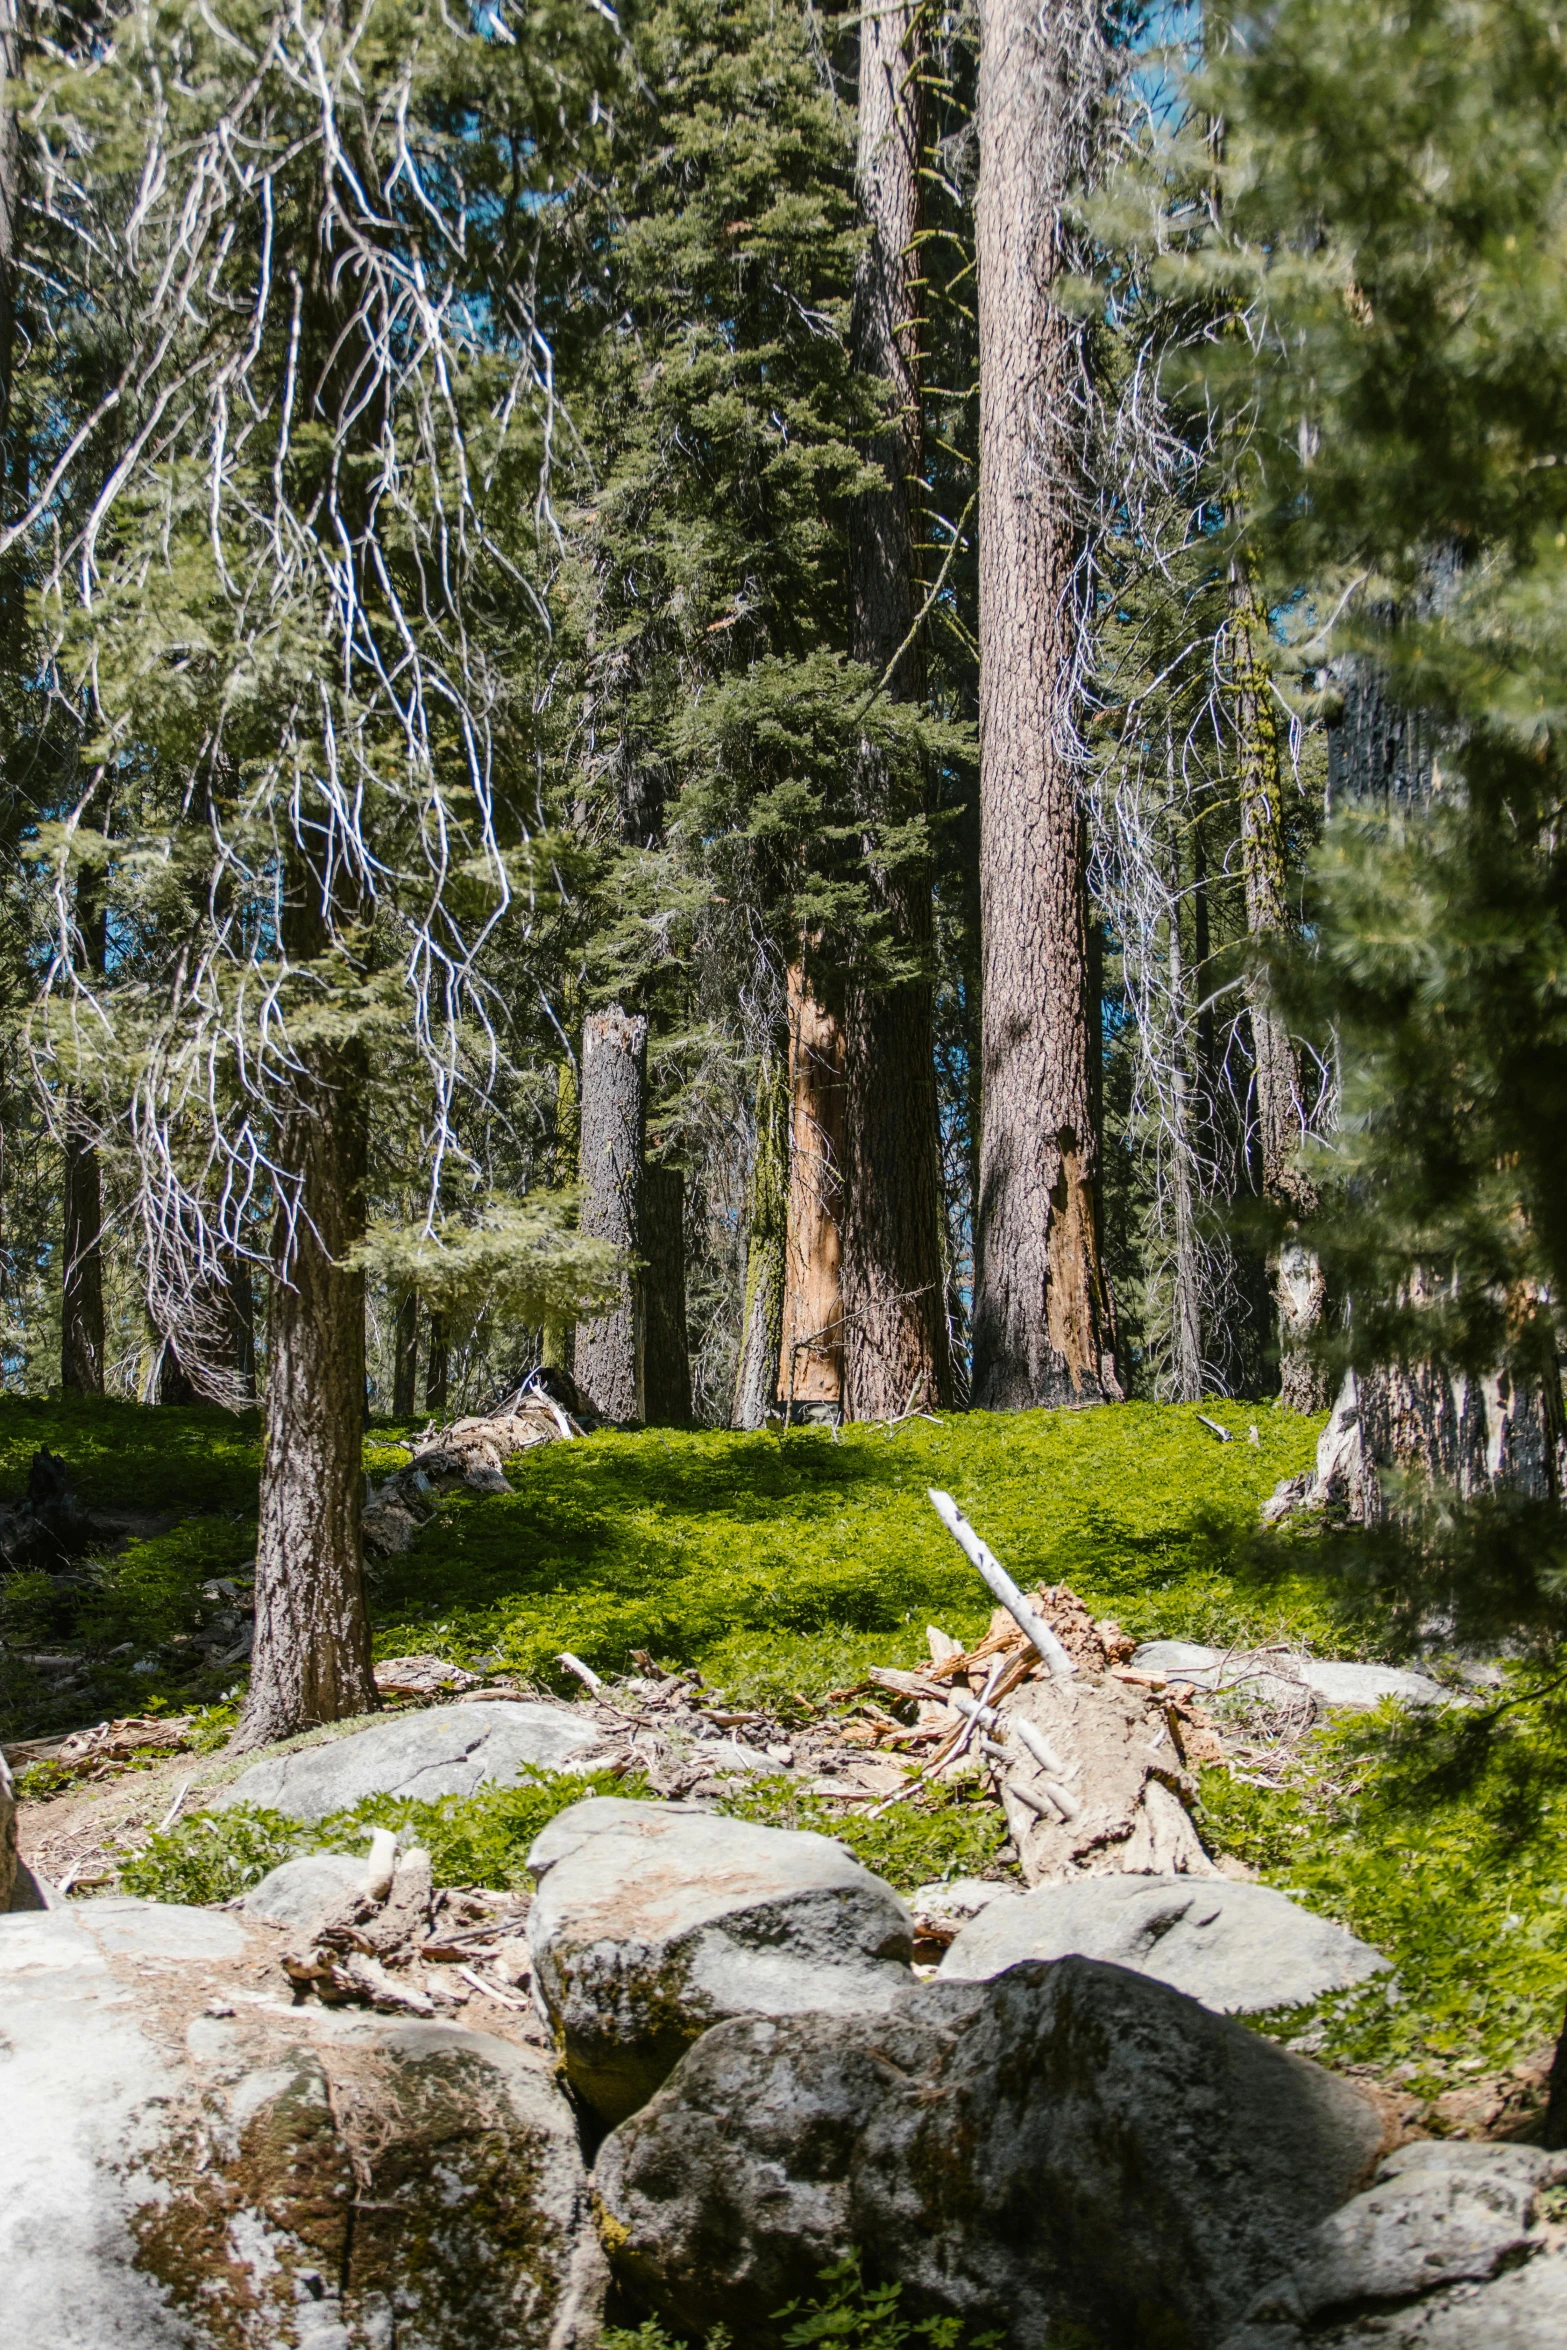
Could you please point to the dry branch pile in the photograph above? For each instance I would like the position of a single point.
(546, 1409)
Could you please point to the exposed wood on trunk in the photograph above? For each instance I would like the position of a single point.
(767, 1208)
(405, 1358)
(894, 1307)
(610, 1349)
(1041, 1319)
(666, 1376)
(810, 1367)
(1294, 1275)
(311, 1660)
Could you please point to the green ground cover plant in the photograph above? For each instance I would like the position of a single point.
(1438, 1840)
(775, 1564)
(779, 1568)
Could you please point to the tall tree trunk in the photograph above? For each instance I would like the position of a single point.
(81, 1300)
(1041, 1320)
(437, 1365)
(1186, 1317)
(894, 1309)
(612, 1135)
(405, 1356)
(311, 1660)
(766, 1228)
(810, 1360)
(242, 1326)
(1294, 1275)
(666, 1375)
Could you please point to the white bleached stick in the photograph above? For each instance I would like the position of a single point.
(1000, 1582)
(584, 1673)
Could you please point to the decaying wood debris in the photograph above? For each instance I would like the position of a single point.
(471, 1453)
(406, 1949)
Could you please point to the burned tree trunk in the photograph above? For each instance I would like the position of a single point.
(810, 1362)
(610, 1350)
(894, 1308)
(405, 1356)
(1294, 1275)
(311, 1660)
(1041, 1318)
(666, 1359)
(767, 1208)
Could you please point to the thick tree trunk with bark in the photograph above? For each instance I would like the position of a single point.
(810, 1360)
(666, 1358)
(1294, 1275)
(766, 1230)
(1041, 1318)
(894, 1308)
(437, 1366)
(311, 1660)
(405, 1356)
(81, 1301)
(610, 1350)
(242, 1327)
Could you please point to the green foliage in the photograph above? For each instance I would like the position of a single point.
(522, 1258)
(479, 1839)
(781, 1563)
(184, 1459)
(948, 1831)
(1440, 1842)
(848, 2313)
(212, 1856)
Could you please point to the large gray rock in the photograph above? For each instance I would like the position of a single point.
(446, 1750)
(300, 1893)
(1331, 1681)
(1069, 2147)
(190, 2163)
(1432, 2254)
(1237, 1947)
(654, 1920)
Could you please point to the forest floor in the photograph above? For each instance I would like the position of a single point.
(779, 1567)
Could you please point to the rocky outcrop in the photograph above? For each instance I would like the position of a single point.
(1278, 1675)
(1238, 1948)
(1072, 2146)
(447, 1750)
(1446, 2250)
(189, 2163)
(654, 1921)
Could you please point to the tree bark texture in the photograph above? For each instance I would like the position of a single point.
(405, 1356)
(1294, 1274)
(81, 1300)
(666, 1357)
(810, 1361)
(81, 1289)
(1041, 1320)
(1496, 1433)
(610, 1350)
(242, 1327)
(766, 1232)
(437, 1366)
(894, 1307)
(311, 1660)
